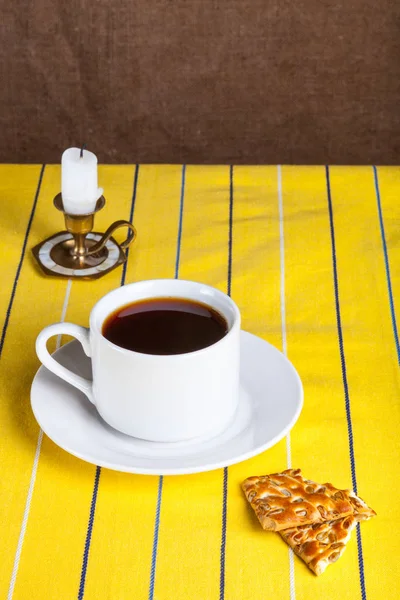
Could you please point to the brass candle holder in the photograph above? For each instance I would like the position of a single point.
(79, 252)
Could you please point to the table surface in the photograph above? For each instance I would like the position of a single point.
(312, 257)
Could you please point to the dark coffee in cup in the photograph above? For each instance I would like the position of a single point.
(162, 326)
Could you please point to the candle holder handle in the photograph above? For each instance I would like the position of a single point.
(107, 235)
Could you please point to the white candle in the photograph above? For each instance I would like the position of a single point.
(79, 181)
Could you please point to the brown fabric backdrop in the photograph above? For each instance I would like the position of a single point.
(204, 81)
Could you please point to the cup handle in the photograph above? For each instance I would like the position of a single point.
(82, 335)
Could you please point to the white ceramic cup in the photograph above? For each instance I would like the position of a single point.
(158, 398)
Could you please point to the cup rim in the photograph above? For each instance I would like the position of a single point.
(234, 327)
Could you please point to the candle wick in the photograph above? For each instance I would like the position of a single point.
(82, 149)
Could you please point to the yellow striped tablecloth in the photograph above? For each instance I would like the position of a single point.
(312, 257)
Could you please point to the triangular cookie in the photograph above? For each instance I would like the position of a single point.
(320, 544)
(285, 500)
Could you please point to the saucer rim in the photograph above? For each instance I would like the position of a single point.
(210, 466)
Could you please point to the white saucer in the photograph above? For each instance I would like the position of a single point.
(270, 404)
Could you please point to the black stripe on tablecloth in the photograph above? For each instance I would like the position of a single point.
(344, 378)
(225, 472)
(135, 182)
(161, 478)
(387, 265)
(86, 550)
(21, 260)
(92, 511)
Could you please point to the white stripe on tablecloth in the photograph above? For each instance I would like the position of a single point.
(292, 584)
(34, 471)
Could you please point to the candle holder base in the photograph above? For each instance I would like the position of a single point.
(62, 254)
(80, 253)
